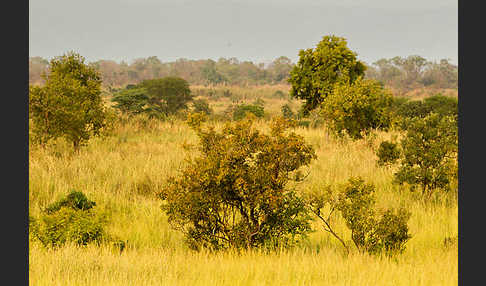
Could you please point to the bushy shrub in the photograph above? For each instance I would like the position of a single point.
(391, 232)
(439, 104)
(387, 234)
(370, 232)
(241, 110)
(388, 153)
(131, 101)
(443, 105)
(70, 219)
(356, 108)
(413, 108)
(202, 105)
(74, 200)
(259, 101)
(167, 95)
(236, 193)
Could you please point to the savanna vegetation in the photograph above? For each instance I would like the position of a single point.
(330, 179)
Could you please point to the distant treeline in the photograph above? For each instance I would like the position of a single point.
(399, 73)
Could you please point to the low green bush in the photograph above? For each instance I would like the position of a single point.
(370, 232)
(70, 219)
(241, 110)
(388, 153)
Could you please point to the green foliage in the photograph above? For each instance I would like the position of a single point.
(411, 109)
(287, 111)
(318, 70)
(241, 110)
(69, 105)
(74, 200)
(167, 95)
(391, 232)
(356, 108)
(70, 219)
(131, 101)
(202, 105)
(388, 153)
(370, 232)
(356, 206)
(429, 153)
(235, 194)
(442, 105)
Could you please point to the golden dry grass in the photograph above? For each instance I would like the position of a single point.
(123, 172)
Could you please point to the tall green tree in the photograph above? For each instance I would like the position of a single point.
(69, 105)
(318, 70)
(429, 153)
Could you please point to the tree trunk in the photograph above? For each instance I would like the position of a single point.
(76, 145)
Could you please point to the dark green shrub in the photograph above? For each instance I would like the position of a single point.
(202, 105)
(391, 232)
(167, 95)
(131, 101)
(74, 200)
(68, 225)
(388, 153)
(439, 104)
(236, 193)
(241, 110)
(443, 105)
(412, 109)
(70, 219)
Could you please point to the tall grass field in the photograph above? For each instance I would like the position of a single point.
(124, 171)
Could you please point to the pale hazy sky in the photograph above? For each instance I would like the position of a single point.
(255, 30)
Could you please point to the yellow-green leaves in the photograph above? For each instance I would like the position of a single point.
(356, 108)
(314, 76)
(235, 194)
(69, 105)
